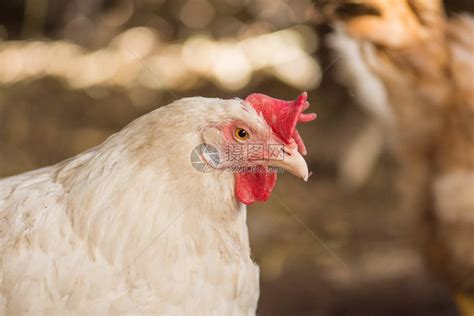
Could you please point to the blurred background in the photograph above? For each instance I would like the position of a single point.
(74, 72)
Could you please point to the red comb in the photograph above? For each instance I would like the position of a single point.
(282, 116)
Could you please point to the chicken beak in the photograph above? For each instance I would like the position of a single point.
(293, 162)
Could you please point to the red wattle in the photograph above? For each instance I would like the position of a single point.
(254, 187)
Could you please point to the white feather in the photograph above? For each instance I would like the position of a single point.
(370, 91)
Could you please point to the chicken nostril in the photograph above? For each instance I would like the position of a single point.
(286, 152)
(352, 9)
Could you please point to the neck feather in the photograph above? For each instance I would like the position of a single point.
(128, 195)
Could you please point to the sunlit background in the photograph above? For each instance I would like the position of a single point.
(74, 72)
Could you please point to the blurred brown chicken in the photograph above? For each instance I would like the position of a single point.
(413, 68)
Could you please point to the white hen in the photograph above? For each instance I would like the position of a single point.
(131, 227)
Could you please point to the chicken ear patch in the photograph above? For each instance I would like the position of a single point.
(282, 116)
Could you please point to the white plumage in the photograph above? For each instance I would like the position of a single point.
(130, 226)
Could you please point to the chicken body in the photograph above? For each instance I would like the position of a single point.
(413, 68)
(130, 226)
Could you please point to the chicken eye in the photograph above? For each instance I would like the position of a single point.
(241, 134)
